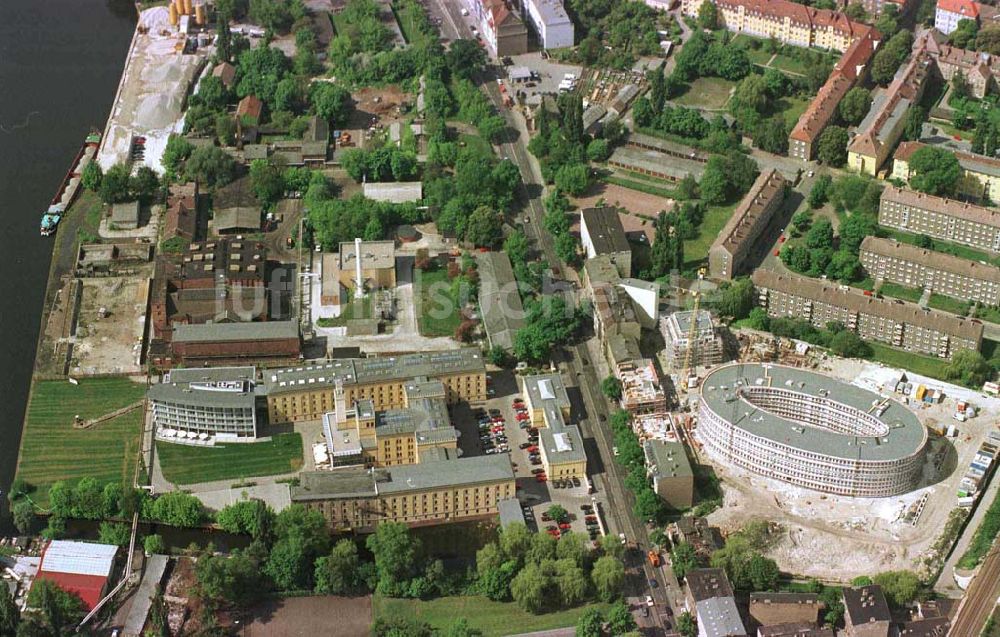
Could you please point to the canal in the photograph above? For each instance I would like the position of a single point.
(60, 62)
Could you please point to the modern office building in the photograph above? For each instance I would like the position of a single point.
(668, 466)
(810, 430)
(940, 218)
(309, 391)
(560, 444)
(905, 264)
(786, 21)
(437, 491)
(705, 343)
(897, 323)
(205, 405)
(730, 254)
(551, 23)
(982, 173)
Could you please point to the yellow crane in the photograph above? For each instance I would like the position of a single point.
(692, 331)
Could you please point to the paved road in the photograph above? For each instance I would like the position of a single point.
(981, 598)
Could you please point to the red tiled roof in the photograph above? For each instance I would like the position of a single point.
(251, 106)
(962, 7)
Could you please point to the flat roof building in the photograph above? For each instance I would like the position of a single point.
(125, 215)
(908, 265)
(602, 234)
(940, 218)
(710, 598)
(226, 343)
(768, 609)
(560, 444)
(551, 23)
(646, 161)
(730, 253)
(897, 323)
(394, 191)
(436, 492)
(378, 264)
(205, 405)
(668, 466)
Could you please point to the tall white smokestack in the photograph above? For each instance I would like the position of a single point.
(359, 288)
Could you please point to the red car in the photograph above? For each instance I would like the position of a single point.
(541, 477)
(523, 417)
(777, 253)
(532, 449)
(497, 419)
(564, 525)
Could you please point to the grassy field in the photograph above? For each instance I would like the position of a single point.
(52, 450)
(917, 363)
(792, 108)
(491, 618)
(989, 314)
(475, 140)
(706, 92)
(948, 304)
(89, 205)
(640, 186)
(437, 314)
(897, 291)
(942, 246)
(983, 539)
(696, 250)
(183, 464)
(353, 309)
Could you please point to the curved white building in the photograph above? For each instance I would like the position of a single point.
(810, 430)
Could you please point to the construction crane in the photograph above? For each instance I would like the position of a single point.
(692, 331)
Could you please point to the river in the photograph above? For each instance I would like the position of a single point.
(60, 62)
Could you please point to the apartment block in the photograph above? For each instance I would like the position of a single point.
(948, 13)
(668, 466)
(307, 392)
(441, 491)
(908, 265)
(730, 252)
(940, 218)
(703, 341)
(866, 612)
(769, 609)
(903, 325)
(982, 173)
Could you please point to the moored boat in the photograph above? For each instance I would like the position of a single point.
(70, 186)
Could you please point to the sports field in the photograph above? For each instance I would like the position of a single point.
(184, 464)
(52, 450)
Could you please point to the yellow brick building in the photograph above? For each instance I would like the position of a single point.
(306, 393)
(560, 444)
(981, 173)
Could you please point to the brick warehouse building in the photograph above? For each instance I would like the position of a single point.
(903, 325)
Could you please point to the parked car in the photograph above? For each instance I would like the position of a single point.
(524, 445)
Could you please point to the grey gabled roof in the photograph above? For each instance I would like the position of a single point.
(223, 332)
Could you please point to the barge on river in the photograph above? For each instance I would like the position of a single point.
(70, 186)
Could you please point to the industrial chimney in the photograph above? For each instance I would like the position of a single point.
(359, 288)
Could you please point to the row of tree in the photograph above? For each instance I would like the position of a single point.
(648, 505)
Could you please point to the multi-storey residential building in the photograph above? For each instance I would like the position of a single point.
(906, 264)
(940, 218)
(560, 444)
(949, 13)
(502, 29)
(982, 173)
(810, 430)
(786, 21)
(706, 345)
(850, 70)
(730, 252)
(601, 233)
(769, 609)
(307, 392)
(202, 406)
(903, 325)
(552, 24)
(440, 491)
(979, 69)
(883, 126)
(668, 466)
(360, 434)
(710, 598)
(866, 613)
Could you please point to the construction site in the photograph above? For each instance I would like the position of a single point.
(835, 538)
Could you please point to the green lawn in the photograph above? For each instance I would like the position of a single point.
(943, 246)
(989, 314)
(791, 108)
(948, 304)
(475, 140)
(634, 184)
(437, 313)
(706, 92)
(696, 250)
(897, 291)
(184, 464)
(789, 64)
(52, 450)
(353, 309)
(489, 617)
(917, 363)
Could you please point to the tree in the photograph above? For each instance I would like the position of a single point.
(485, 227)
(59, 608)
(460, 628)
(819, 194)
(862, 580)
(114, 186)
(901, 588)
(608, 576)
(968, 367)
(236, 579)
(211, 166)
(612, 388)
(465, 58)
(492, 128)
(890, 56)
(686, 625)
(771, 135)
(964, 35)
(570, 581)
(558, 513)
(598, 149)
(175, 508)
(820, 235)
(761, 572)
(250, 517)
(23, 513)
(888, 21)
(988, 39)
(573, 179)
(935, 171)
(855, 105)
(590, 624)
(114, 533)
(758, 319)
(708, 15)
(832, 148)
(844, 266)
(337, 573)
(915, 119)
(267, 181)
(620, 619)
(91, 177)
(736, 299)
(530, 588)
(178, 149)
(856, 12)
(684, 558)
(395, 552)
(153, 544)
(10, 615)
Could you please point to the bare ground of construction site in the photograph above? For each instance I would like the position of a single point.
(110, 325)
(836, 538)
